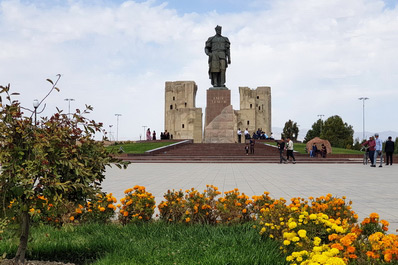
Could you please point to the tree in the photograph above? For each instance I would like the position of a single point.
(290, 130)
(53, 160)
(337, 132)
(315, 131)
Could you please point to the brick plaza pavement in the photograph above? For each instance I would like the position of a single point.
(370, 189)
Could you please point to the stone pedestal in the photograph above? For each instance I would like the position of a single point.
(217, 100)
(222, 128)
(220, 117)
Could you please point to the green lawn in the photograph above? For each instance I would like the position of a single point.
(152, 243)
(300, 147)
(137, 148)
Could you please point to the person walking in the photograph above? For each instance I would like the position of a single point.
(252, 142)
(281, 147)
(389, 149)
(239, 135)
(247, 149)
(290, 150)
(378, 151)
(154, 136)
(370, 147)
(148, 134)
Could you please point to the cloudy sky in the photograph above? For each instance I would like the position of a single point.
(318, 57)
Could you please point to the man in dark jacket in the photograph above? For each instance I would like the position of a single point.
(389, 149)
(281, 147)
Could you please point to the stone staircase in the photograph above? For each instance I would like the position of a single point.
(228, 153)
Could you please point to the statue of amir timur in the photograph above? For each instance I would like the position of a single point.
(217, 48)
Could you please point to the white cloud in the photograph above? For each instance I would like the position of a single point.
(318, 57)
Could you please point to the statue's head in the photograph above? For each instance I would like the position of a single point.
(218, 30)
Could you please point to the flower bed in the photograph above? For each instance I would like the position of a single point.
(320, 230)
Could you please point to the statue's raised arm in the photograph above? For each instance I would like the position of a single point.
(218, 50)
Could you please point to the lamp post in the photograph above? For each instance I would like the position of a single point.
(35, 106)
(321, 117)
(110, 132)
(117, 126)
(69, 100)
(144, 131)
(363, 115)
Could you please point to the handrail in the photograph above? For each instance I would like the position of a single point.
(167, 146)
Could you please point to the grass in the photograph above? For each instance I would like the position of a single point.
(151, 243)
(300, 147)
(137, 148)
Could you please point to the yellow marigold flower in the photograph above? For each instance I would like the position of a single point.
(317, 241)
(302, 233)
(292, 225)
(286, 242)
(102, 209)
(313, 216)
(295, 239)
(32, 210)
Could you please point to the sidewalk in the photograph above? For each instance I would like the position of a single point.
(370, 189)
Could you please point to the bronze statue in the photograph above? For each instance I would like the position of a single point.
(217, 48)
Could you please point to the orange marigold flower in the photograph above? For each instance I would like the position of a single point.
(350, 249)
(71, 218)
(125, 213)
(338, 246)
(333, 237)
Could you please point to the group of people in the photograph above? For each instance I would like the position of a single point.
(259, 134)
(374, 149)
(165, 135)
(288, 146)
(314, 152)
(250, 146)
(152, 136)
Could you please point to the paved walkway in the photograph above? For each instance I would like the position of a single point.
(370, 189)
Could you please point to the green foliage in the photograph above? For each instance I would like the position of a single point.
(49, 162)
(315, 131)
(337, 132)
(290, 130)
(396, 146)
(151, 243)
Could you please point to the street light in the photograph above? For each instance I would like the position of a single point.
(144, 130)
(321, 117)
(117, 126)
(69, 100)
(110, 132)
(363, 115)
(35, 106)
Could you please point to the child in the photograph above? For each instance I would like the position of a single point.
(247, 149)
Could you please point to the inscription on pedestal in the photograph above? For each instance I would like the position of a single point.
(217, 100)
